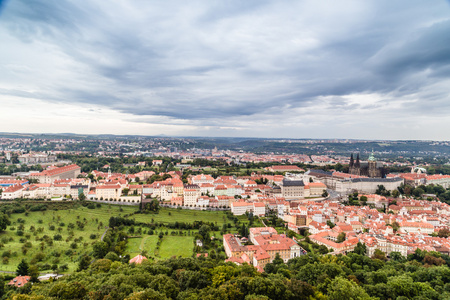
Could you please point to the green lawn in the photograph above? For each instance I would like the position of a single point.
(94, 221)
(136, 245)
(171, 215)
(176, 246)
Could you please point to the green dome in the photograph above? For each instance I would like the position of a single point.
(371, 157)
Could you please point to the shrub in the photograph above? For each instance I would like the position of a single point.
(57, 237)
(40, 256)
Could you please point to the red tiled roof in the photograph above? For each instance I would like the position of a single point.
(138, 259)
(19, 281)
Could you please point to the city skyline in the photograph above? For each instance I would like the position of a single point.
(298, 69)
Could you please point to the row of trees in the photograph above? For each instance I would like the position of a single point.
(422, 275)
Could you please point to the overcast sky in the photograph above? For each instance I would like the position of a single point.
(292, 69)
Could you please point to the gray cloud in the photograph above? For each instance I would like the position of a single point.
(213, 62)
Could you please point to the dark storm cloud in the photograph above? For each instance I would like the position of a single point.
(203, 60)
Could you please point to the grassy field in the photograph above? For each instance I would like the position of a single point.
(50, 223)
(81, 227)
(171, 215)
(176, 246)
(145, 243)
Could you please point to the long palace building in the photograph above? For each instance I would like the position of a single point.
(48, 176)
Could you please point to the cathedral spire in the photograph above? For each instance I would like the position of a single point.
(351, 161)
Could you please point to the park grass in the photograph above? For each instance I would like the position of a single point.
(95, 221)
(176, 246)
(146, 243)
(172, 215)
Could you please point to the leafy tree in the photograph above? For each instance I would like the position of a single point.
(84, 263)
(363, 199)
(274, 266)
(243, 231)
(2, 287)
(378, 254)
(395, 193)
(62, 290)
(341, 288)
(82, 197)
(330, 224)
(341, 237)
(397, 256)
(112, 256)
(418, 192)
(33, 272)
(152, 206)
(360, 249)
(444, 233)
(204, 232)
(100, 249)
(4, 221)
(395, 226)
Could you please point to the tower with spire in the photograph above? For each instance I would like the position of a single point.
(354, 167)
(372, 162)
(369, 168)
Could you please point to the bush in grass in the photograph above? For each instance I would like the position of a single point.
(112, 256)
(57, 237)
(93, 236)
(55, 253)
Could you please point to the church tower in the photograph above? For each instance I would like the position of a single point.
(354, 168)
(373, 171)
